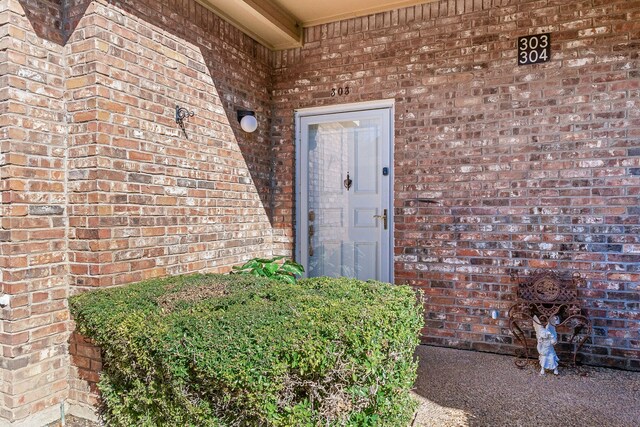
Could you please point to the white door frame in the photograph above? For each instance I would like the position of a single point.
(385, 104)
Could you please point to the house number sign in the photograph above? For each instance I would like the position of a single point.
(340, 91)
(534, 49)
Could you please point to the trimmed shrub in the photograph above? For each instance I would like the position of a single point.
(213, 350)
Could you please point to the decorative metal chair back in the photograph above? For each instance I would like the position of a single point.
(550, 296)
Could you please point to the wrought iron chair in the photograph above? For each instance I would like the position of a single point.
(547, 294)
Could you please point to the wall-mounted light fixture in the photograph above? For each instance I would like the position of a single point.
(5, 299)
(248, 121)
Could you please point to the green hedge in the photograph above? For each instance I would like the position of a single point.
(213, 350)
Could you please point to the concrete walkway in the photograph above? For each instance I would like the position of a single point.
(464, 388)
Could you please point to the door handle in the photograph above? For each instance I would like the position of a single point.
(312, 217)
(383, 217)
(312, 231)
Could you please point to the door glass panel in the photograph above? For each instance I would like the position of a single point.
(344, 234)
(365, 156)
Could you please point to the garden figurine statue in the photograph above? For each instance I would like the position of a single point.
(547, 338)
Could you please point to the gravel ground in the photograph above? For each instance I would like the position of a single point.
(465, 388)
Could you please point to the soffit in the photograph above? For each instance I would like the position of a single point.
(278, 24)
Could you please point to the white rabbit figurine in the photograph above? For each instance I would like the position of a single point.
(547, 338)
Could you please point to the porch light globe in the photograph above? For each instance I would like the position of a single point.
(249, 124)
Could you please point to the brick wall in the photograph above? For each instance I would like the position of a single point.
(86, 364)
(532, 167)
(100, 186)
(33, 262)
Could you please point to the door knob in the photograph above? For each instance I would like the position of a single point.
(383, 217)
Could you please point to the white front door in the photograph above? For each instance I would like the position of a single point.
(344, 217)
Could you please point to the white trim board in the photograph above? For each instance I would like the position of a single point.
(345, 108)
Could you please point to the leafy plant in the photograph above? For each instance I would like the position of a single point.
(287, 272)
(231, 350)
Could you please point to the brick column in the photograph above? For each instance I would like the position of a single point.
(146, 197)
(33, 263)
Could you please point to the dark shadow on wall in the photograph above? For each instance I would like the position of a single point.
(46, 17)
(228, 53)
(54, 20)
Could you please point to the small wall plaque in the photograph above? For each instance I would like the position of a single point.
(534, 49)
